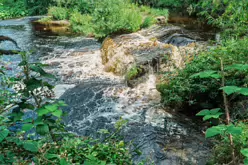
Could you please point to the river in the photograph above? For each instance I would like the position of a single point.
(97, 99)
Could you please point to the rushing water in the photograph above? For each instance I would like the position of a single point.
(97, 99)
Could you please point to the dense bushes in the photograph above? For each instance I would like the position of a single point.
(20, 8)
(10, 9)
(179, 89)
(104, 17)
(82, 23)
(112, 16)
(231, 15)
(58, 13)
(171, 4)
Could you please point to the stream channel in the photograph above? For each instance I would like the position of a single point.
(97, 99)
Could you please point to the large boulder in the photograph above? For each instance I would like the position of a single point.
(159, 48)
(52, 26)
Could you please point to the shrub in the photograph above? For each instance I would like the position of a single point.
(37, 7)
(159, 12)
(148, 21)
(83, 6)
(179, 89)
(231, 16)
(112, 16)
(81, 23)
(172, 4)
(58, 13)
(11, 9)
(221, 153)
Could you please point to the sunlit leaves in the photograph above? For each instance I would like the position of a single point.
(234, 89)
(233, 130)
(215, 130)
(52, 109)
(230, 89)
(221, 129)
(207, 74)
(239, 67)
(245, 153)
(208, 114)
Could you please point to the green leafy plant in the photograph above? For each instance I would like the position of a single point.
(133, 73)
(229, 129)
(32, 130)
(148, 21)
(82, 23)
(58, 13)
(187, 89)
(231, 15)
(11, 9)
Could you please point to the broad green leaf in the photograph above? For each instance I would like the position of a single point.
(43, 111)
(208, 114)
(63, 162)
(245, 152)
(27, 127)
(215, 130)
(214, 111)
(38, 121)
(52, 107)
(234, 130)
(244, 91)
(203, 112)
(42, 129)
(3, 134)
(31, 146)
(207, 74)
(246, 161)
(239, 67)
(91, 162)
(230, 89)
(57, 113)
(51, 156)
(215, 116)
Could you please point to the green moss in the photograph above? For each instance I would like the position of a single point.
(133, 73)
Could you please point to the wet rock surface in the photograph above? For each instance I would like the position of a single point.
(161, 137)
(97, 99)
(171, 46)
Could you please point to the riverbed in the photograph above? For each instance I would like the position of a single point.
(97, 99)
